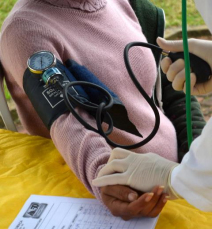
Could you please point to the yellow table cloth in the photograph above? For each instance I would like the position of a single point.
(32, 165)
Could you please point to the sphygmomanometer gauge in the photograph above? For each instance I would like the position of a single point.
(41, 61)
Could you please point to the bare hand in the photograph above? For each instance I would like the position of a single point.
(116, 198)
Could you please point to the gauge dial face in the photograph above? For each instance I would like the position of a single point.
(40, 61)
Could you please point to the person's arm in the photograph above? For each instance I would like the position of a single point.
(84, 151)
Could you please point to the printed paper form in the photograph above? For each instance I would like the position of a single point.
(54, 212)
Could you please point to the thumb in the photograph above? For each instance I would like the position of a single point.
(173, 46)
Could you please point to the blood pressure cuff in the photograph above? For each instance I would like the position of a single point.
(49, 102)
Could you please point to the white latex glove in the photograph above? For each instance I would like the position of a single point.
(176, 71)
(139, 171)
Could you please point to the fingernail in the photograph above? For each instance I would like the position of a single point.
(149, 197)
(160, 190)
(132, 196)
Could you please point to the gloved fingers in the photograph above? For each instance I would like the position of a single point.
(192, 84)
(179, 81)
(165, 64)
(117, 165)
(119, 153)
(113, 179)
(174, 69)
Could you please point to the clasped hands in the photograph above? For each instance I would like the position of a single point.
(147, 173)
(144, 171)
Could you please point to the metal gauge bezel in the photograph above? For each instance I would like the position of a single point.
(40, 71)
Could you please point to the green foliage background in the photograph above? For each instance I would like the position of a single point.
(172, 10)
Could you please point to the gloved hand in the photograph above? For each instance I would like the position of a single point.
(176, 71)
(139, 171)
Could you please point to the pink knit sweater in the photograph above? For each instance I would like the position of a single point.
(93, 33)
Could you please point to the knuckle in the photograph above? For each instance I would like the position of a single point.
(192, 44)
(113, 152)
(181, 76)
(192, 40)
(178, 84)
(181, 63)
(176, 87)
(170, 75)
(173, 69)
(113, 163)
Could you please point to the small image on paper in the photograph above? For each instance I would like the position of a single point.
(35, 210)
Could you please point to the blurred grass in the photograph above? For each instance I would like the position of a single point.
(173, 12)
(5, 7)
(171, 8)
(6, 92)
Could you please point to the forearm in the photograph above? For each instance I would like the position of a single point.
(84, 151)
